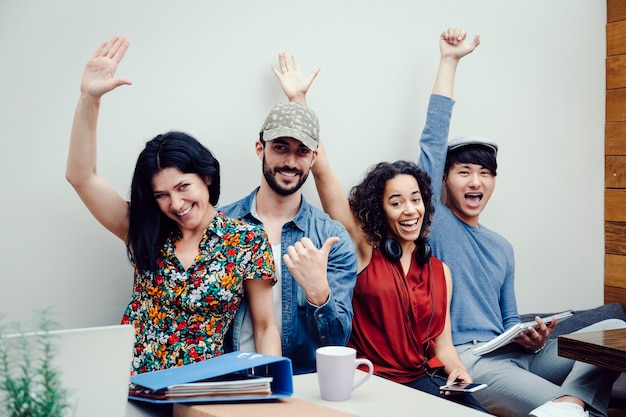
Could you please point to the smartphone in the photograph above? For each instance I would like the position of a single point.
(463, 387)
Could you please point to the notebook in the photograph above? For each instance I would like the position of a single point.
(95, 365)
(506, 337)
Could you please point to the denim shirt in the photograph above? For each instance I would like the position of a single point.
(305, 327)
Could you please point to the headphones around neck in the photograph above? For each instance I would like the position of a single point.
(393, 251)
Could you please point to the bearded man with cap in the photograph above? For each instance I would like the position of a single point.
(314, 256)
(527, 377)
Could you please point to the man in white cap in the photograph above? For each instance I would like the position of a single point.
(526, 377)
(314, 256)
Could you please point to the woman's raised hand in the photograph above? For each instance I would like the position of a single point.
(98, 77)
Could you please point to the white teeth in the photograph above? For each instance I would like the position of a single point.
(409, 223)
(182, 213)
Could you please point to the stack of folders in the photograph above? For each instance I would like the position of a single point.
(230, 377)
(240, 385)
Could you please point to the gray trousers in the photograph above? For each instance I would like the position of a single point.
(520, 381)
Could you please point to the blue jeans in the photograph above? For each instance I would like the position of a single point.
(519, 381)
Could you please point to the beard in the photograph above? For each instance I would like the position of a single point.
(269, 175)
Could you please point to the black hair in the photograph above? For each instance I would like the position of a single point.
(366, 199)
(472, 154)
(148, 225)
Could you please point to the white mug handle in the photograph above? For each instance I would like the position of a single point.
(363, 361)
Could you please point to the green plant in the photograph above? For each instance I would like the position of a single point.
(30, 385)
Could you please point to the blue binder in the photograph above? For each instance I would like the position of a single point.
(278, 367)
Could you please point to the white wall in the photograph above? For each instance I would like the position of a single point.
(535, 84)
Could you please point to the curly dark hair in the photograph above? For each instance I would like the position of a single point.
(366, 199)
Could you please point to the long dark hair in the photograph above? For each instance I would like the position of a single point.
(148, 226)
(366, 199)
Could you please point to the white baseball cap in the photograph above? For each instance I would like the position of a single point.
(472, 140)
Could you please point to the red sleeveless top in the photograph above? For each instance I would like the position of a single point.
(397, 316)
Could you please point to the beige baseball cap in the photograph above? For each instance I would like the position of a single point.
(292, 120)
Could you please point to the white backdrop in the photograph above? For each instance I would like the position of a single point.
(536, 85)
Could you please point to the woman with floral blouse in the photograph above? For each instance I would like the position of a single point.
(192, 263)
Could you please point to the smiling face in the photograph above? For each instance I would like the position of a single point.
(404, 208)
(286, 164)
(468, 189)
(184, 198)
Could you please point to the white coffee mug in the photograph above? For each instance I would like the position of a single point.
(335, 372)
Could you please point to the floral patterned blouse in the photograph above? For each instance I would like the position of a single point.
(181, 316)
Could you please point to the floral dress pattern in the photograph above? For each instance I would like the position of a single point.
(181, 316)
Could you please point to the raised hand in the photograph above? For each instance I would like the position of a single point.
(294, 84)
(454, 44)
(100, 69)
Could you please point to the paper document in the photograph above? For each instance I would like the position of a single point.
(231, 385)
(505, 338)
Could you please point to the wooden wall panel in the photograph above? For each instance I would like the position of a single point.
(616, 105)
(616, 72)
(615, 238)
(614, 203)
(616, 38)
(615, 155)
(615, 10)
(615, 171)
(615, 295)
(615, 138)
(615, 270)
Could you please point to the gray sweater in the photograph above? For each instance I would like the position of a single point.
(481, 261)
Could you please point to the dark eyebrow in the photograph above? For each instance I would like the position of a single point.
(468, 165)
(284, 140)
(184, 181)
(415, 192)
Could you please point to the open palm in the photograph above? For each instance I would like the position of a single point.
(98, 77)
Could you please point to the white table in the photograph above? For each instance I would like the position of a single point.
(376, 397)
(381, 397)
